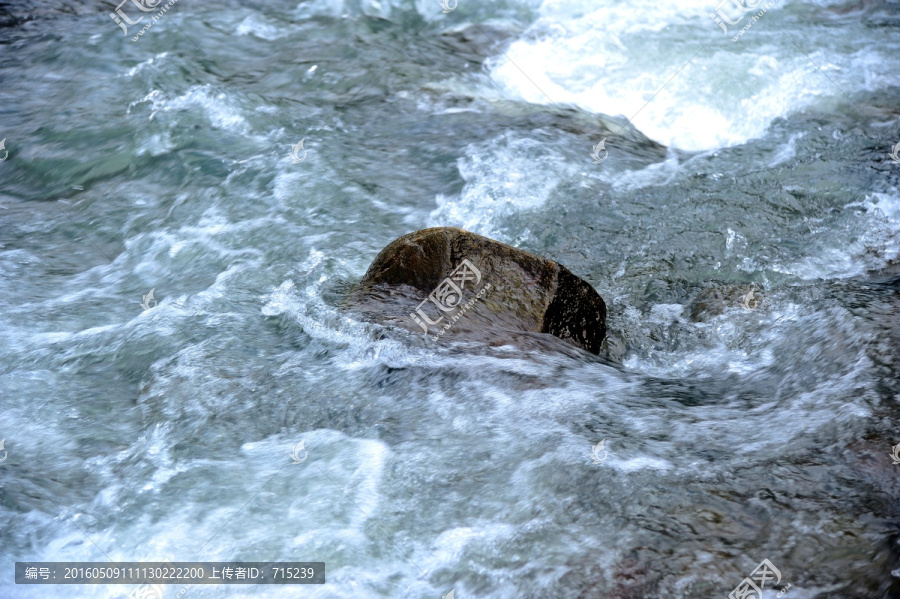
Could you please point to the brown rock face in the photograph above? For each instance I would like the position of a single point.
(447, 280)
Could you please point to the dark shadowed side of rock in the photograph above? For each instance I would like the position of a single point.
(448, 281)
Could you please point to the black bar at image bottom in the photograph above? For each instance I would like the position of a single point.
(170, 573)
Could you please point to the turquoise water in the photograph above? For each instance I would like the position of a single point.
(732, 435)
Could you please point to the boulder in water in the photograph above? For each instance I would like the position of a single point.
(446, 279)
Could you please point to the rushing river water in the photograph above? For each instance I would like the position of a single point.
(736, 428)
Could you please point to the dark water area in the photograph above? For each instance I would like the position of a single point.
(735, 427)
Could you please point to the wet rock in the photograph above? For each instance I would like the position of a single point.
(475, 43)
(712, 302)
(450, 281)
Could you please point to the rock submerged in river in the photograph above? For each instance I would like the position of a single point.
(446, 279)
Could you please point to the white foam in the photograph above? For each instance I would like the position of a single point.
(374, 8)
(258, 26)
(142, 65)
(640, 463)
(215, 104)
(866, 241)
(786, 151)
(614, 57)
(506, 175)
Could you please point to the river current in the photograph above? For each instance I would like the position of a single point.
(741, 218)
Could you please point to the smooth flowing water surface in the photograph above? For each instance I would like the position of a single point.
(736, 428)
